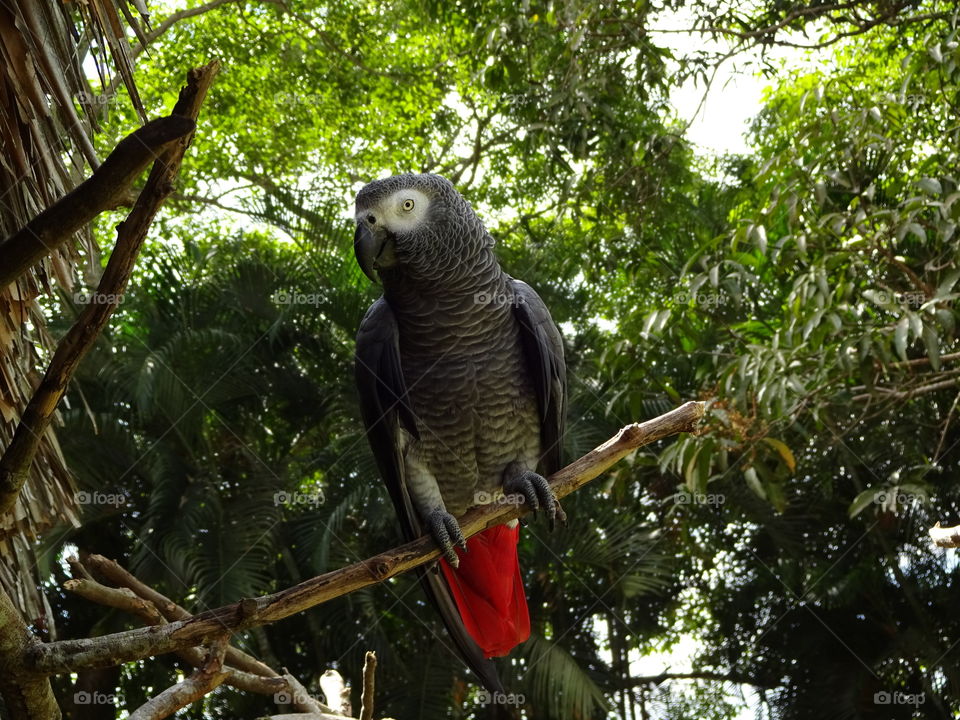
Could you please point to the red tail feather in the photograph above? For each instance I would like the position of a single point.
(488, 590)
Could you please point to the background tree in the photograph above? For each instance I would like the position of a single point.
(805, 290)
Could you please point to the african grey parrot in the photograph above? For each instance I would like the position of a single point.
(462, 388)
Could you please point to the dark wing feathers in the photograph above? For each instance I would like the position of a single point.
(385, 407)
(383, 404)
(543, 349)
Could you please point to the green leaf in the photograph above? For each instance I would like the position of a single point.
(932, 343)
(862, 502)
(753, 482)
(946, 285)
(900, 337)
(784, 451)
(930, 186)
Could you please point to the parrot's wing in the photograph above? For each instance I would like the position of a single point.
(543, 349)
(384, 404)
(385, 408)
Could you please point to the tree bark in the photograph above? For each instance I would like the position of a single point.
(28, 696)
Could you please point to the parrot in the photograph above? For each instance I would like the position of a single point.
(462, 381)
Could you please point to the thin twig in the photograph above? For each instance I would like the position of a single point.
(366, 698)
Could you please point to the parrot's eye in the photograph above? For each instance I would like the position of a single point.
(407, 205)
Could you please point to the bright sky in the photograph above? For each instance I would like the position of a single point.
(734, 96)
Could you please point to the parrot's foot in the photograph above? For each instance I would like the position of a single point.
(537, 494)
(446, 532)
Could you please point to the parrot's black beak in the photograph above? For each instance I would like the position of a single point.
(367, 247)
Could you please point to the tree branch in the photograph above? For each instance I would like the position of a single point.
(131, 233)
(945, 537)
(366, 698)
(104, 189)
(924, 361)
(120, 598)
(123, 598)
(887, 394)
(72, 655)
(118, 575)
(693, 675)
(767, 35)
(207, 677)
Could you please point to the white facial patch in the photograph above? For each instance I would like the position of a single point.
(401, 212)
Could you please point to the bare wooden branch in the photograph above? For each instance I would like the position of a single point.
(302, 700)
(123, 598)
(207, 677)
(131, 233)
(71, 655)
(77, 569)
(945, 537)
(887, 394)
(118, 575)
(120, 598)
(248, 682)
(103, 190)
(366, 698)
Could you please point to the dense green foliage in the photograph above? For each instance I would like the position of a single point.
(807, 294)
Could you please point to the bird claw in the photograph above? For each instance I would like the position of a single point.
(446, 532)
(536, 492)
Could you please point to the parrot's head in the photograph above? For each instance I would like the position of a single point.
(418, 223)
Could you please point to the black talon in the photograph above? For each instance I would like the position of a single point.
(446, 532)
(536, 491)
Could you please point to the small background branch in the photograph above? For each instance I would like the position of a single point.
(945, 537)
